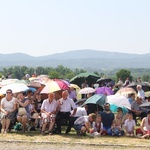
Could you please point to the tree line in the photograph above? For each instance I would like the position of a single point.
(62, 72)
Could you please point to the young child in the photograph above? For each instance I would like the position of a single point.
(116, 128)
(98, 126)
(129, 125)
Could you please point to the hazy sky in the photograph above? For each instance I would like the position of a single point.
(43, 27)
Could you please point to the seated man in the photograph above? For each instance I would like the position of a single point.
(107, 119)
(65, 105)
(136, 110)
(48, 110)
(84, 124)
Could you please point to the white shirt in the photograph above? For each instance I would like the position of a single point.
(49, 107)
(82, 120)
(141, 94)
(67, 105)
(129, 124)
(8, 105)
(146, 125)
(80, 112)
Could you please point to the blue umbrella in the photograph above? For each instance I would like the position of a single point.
(114, 107)
(96, 99)
(32, 89)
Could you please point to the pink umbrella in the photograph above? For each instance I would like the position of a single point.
(104, 90)
(54, 85)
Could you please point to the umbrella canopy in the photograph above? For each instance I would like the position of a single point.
(32, 89)
(103, 80)
(80, 101)
(74, 86)
(80, 78)
(86, 90)
(7, 81)
(98, 99)
(114, 108)
(145, 86)
(104, 90)
(15, 87)
(54, 85)
(119, 100)
(125, 91)
(147, 94)
(35, 84)
(146, 105)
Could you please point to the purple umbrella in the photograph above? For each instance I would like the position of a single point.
(104, 90)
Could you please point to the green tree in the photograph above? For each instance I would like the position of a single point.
(146, 78)
(54, 74)
(123, 74)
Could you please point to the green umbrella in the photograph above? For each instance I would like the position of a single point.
(98, 99)
(82, 77)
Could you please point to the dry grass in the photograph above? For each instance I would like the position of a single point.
(31, 137)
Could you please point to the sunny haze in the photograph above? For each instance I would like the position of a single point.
(44, 27)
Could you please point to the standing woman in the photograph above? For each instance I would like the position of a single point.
(23, 110)
(8, 109)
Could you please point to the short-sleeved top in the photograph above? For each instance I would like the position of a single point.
(80, 112)
(8, 105)
(107, 119)
(129, 124)
(135, 105)
(82, 120)
(67, 105)
(49, 107)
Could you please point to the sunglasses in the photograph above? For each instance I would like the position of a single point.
(9, 92)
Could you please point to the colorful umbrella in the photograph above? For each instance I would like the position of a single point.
(54, 85)
(104, 90)
(86, 90)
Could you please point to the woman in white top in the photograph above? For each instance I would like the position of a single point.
(8, 109)
(145, 126)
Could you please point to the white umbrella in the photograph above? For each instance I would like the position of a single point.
(145, 104)
(15, 87)
(125, 91)
(7, 81)
(86, 90)
(35, 84)
(119, 100)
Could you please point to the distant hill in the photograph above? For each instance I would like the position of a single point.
(79, 59)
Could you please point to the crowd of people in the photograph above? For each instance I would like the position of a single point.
(48, 114)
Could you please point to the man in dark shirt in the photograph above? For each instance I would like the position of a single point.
(107, 119)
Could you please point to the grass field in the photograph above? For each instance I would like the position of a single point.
(73, 139)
